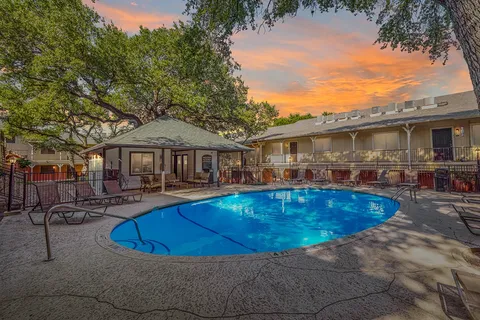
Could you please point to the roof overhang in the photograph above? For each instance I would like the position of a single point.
(99, 147)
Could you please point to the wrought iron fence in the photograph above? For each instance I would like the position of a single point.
(463, 177)
(12, 188)
(65, 183)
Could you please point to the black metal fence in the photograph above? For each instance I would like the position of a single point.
(463, 178)
(65, 184)
(12, 188)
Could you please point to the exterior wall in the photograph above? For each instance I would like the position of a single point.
(35, 155)
(134, 180)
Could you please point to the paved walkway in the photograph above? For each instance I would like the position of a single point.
(399, 270)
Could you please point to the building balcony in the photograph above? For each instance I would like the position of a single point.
(419, 155)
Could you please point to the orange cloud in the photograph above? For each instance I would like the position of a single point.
(342, 72)
(130, 19)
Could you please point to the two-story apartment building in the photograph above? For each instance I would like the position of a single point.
(442, 129)
(43, 160)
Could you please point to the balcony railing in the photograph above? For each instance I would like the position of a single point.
(419, 155)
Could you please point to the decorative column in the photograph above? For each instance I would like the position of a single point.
(409, 131)
(313, 143)
(260, 151)
(353, 135)
(31, 171)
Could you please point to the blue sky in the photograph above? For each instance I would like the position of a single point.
(313, 64)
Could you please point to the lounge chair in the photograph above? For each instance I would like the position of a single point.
(471, 198)
(84, 192)
(468, 286)
(353, 181)
(381, 181)
(113, 188)
(320, 176)
(48, 196)
(469, 214)
(149, 184)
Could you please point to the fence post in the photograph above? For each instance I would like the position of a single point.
(11, 182)
(24, 189)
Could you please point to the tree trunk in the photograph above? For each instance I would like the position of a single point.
(465, 15)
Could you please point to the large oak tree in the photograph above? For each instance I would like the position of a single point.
(430, 26)
(68, 76)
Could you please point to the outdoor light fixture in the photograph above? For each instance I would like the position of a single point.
(459, 131)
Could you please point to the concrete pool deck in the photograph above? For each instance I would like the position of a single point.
(398, 270)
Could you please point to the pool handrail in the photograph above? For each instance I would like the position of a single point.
(76, 208)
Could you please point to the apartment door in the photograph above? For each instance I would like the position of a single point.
(293, 151)
(442, 143)
(178, 167)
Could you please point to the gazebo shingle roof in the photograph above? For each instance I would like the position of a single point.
(170, 133)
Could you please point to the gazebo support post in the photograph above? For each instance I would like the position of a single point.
(218, 169)
(163, 170)
(119, 160)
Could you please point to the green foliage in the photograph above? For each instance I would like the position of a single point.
(410, 25)
(69, 79)
(292, 118)
(23, 163)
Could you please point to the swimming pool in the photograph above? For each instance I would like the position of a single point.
(253, 222)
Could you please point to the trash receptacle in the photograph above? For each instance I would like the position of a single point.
(442, 180)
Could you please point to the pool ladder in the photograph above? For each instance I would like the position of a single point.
(79, 209)
(402, 190)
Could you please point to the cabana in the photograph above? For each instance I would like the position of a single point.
(165, 145)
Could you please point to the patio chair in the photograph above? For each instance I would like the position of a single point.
(48, 196)
(320, 176)
(149, 184)
(353, 181)
(382, 180)
(113, 188)
(411, 179)
(300, 177)
(469, 214)
(204, 179)
(84, 192)
(196, 179)
(468, 287)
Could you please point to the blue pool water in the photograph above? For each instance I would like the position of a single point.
(255, 222)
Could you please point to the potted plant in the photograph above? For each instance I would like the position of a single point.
(463, 181)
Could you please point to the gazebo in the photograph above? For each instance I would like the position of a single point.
(165, 145)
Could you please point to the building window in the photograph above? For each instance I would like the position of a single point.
(47, 151)
(207, 163)
(386, 141)
(141, 163)
(475, 134)
(323, 144)
(10, 140)
(277, 148)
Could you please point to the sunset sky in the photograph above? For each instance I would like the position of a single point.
(313, 64)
